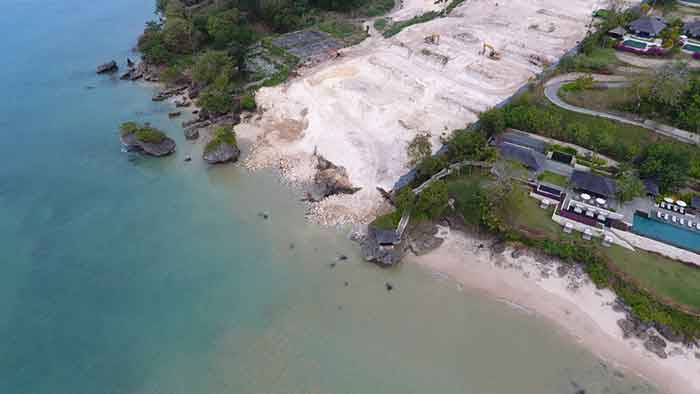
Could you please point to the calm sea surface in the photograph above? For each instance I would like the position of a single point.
(122, 274)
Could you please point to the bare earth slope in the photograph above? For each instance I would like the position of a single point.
(361, 110)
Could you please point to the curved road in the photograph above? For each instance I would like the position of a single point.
(551, 91)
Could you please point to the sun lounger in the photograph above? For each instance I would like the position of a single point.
(663, 205)
(690, 224)
(666, 216)
(682, 221)
(681, 210)
(674, 219)
(658, 214)
(675, 208)
(697, 226)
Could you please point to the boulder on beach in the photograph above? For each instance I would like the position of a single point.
(656, 345)
(423, 238)
(222, 148)
(107, 67)
(331, 179)
(145, 139)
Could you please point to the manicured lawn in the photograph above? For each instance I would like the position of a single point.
(665, 277)
(553, 178)
(527, 216)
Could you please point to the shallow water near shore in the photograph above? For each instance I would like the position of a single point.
(123, 274)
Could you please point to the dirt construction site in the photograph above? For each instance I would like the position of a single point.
(361, 109)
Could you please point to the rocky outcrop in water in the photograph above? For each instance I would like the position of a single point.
(107, 67)
(222, 148)
(145, 139)
(377, 247)
(223, 153)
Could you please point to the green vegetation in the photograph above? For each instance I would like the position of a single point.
(581, 83)
(348, 32)
(208, 41)
(381, 23)
(144, 133)
(222, 135)
(555, 179)
(598, 60)
(419, 148)
(673, 281)
(453, 4)
(670, 164)
(432, 202)
(629, 187)
(668, 161)
(387, 222)
(248, 102)
(396, 28)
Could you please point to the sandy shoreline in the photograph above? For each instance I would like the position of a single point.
(571, 302)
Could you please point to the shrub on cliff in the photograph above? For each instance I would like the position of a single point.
(248, 102)
(211, 65)
(152, 46)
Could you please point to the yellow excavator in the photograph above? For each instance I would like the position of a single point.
(433, 39)
(491, 52)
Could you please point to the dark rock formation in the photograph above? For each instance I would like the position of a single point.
(162, 148)
(167, 93)
(498, 247)
(107, 67)
(174, 114)
(331, 179)
(656, 345)
(627, 326)
(192, 133)
(375, 248)
(223, 153)
(423, 240)
(129, 63)
(669, 333)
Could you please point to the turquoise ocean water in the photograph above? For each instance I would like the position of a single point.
(121, 274)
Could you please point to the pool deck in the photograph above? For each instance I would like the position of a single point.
(686, 218)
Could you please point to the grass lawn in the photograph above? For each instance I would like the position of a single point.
(346, 31)
(553, 178)
(598, 99)
(665, 277)
(527, 216)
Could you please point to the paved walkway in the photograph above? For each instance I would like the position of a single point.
(551, 91)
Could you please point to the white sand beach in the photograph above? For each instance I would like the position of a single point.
(572, 302)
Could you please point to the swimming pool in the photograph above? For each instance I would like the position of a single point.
(635, 44)
(666, 233)
(691, 47)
